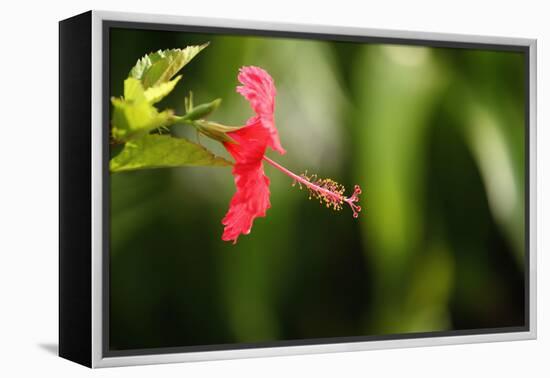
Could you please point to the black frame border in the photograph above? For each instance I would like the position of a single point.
(107, 25)
(75, 189)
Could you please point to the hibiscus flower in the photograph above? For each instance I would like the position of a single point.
(251, 199)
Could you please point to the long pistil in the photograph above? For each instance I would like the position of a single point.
(325, 190)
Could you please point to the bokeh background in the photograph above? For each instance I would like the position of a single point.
(434, 136)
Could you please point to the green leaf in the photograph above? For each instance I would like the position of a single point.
(134, 119)
(159, 67)
(134, 116)
(157, 93)
(133, 90)
(161, 151)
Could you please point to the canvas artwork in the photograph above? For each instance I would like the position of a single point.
(272, 190)
(234, 189)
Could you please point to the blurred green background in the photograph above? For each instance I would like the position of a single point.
(434, 136)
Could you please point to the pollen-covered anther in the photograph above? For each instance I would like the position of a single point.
(330, 193)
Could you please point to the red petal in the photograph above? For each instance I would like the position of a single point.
(251, 200)
(258, 88)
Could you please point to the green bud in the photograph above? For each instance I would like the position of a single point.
(202, 110)
(215, 130)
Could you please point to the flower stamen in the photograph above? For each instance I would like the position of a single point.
(326, 191)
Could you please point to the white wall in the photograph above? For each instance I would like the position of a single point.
(28, 199)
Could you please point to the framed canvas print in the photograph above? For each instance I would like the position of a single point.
(236, 189)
